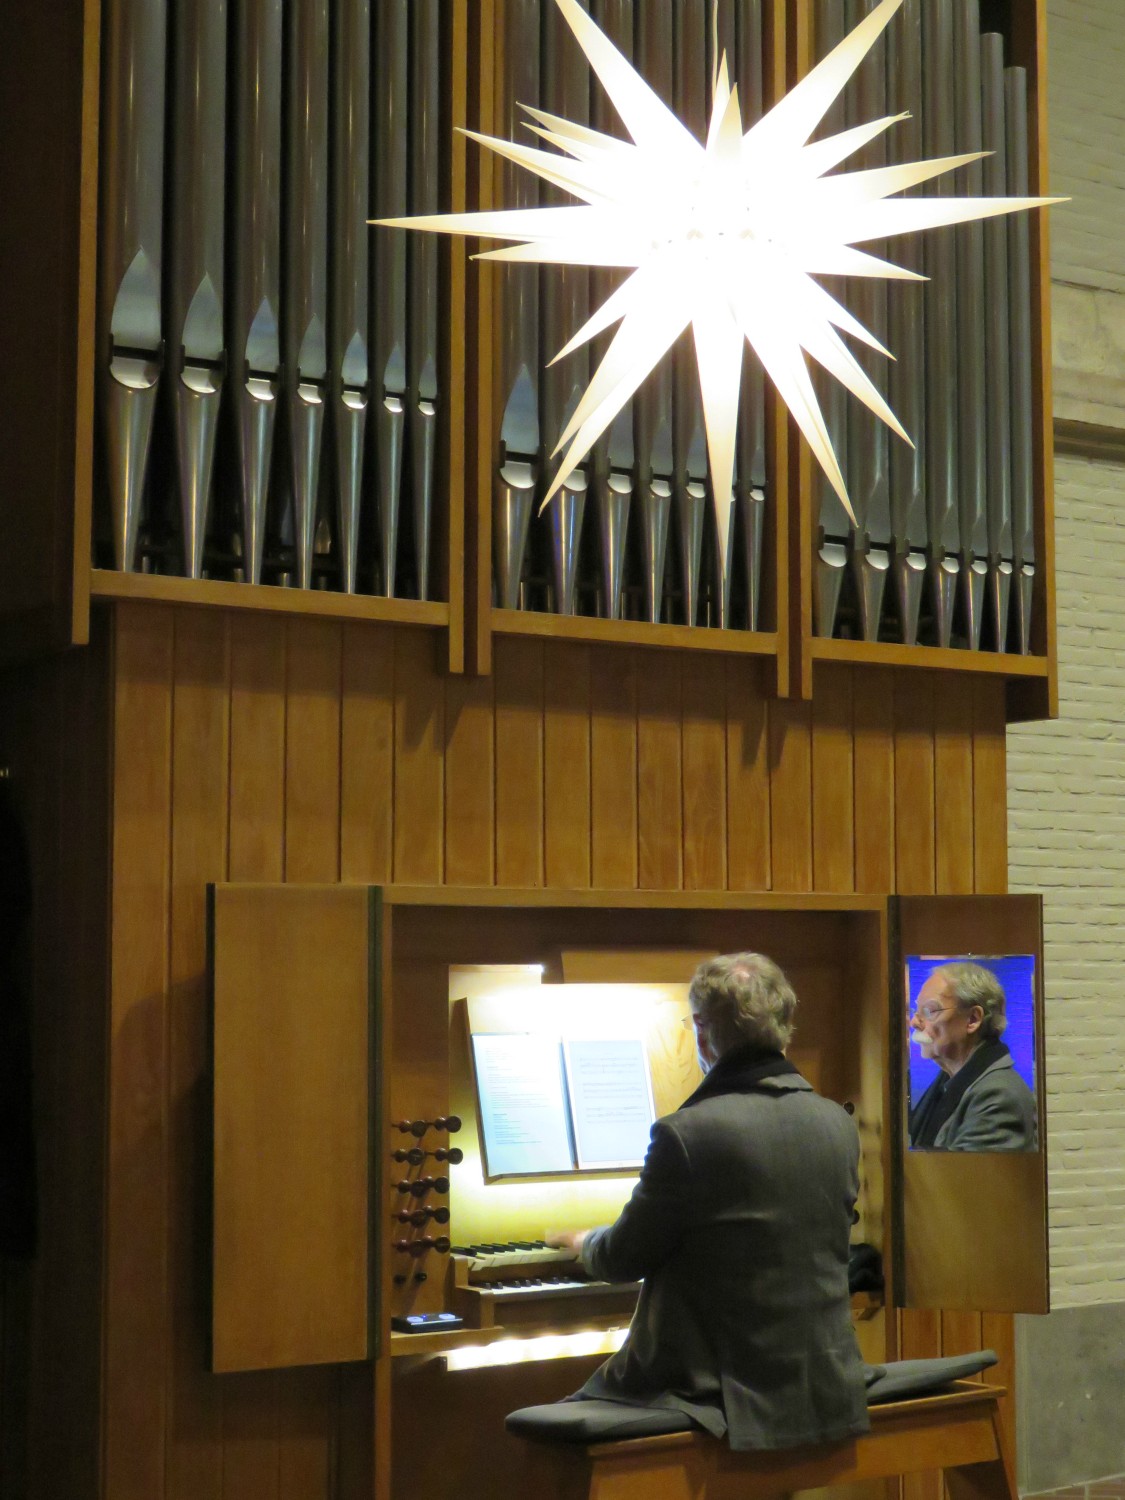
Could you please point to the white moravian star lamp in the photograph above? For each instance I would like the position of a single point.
(727, 236)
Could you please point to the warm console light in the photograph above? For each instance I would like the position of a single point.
(545, 1346)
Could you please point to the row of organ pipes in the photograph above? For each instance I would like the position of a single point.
(272, 361)
(247, 310)
(949, 524)
(632, 533)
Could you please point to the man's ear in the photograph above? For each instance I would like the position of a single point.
(975, 1018)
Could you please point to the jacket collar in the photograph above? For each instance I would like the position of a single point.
(942, 1097)
(740, 1071)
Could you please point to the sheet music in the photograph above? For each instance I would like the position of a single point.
(610, 1100)
(523, 1108)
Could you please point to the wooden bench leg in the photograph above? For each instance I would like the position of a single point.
(992, 1480)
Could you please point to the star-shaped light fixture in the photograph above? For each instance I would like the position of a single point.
(727, 236)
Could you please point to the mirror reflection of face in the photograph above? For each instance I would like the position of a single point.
(942, 1030)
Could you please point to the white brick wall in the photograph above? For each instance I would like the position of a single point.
(1086, 112)
(1066, 821)
(1066, 801)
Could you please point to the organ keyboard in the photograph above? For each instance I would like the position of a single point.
(508, 1284)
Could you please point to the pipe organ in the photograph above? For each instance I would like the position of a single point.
(289, 490)
(300, 441)
(947, 522)
(235, 374)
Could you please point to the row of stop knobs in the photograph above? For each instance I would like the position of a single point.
(419, 1187)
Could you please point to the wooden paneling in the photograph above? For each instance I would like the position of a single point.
(419, 737)
(660, 814)
(873, 707)
(704, 749)
(292, 1018)
(49, 88)
(748, 780)
(273, 746)
(367, 740)
(519, 763)
(790, 762)
(613, 769)
(137, 1287)
(566, 766)
(200, 793)
(833, 790)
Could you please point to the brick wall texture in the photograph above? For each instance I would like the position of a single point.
(1066, 820)
(1067, 779)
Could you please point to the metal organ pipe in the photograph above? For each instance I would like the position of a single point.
(565, 298)
(389, 143)
(997, 344)
(195, 330)
(868, 437)
(255, 292)
(971, 411)
(614, 454)
(425, 286)
(689, 441)
(750, 489)
(306, 260)
(907, 339)
(835, 527)
(348, 329)
(517, 386)
(655, 465)
(130, 351)
(1019, 273)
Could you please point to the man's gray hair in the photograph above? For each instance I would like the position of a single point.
(744, 997)
(973, 984)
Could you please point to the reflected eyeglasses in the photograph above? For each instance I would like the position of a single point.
(930, 1012)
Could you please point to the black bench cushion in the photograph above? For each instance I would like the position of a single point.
(922, 1377)
(594, 1422)
(585, 1422)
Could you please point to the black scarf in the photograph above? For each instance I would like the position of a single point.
(740, 1071)
(942, 1097)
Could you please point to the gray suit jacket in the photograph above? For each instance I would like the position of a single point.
(739, 1226)
(995, 1113)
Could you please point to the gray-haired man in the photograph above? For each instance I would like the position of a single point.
(739, 1227)
(978, 1102)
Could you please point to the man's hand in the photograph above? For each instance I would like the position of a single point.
(566, 1239)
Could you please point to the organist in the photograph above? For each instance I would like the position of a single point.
(739, 1227)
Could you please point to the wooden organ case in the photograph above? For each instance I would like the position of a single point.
(606, 795)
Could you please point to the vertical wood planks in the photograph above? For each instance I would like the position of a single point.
(704, 749)
(953, 787)
(613, 770)
(469, 781)
(914, 784)
(306, 1405)
(519, 762)
(833, 790)
(257, 748)
(659, 773)
(312, 751)
(919, 1331)
(790, 762)
(367, 738)
(256, 851)
(990, 788)
(200, 793)
(418, 780)
(748, 789)
(566, 765)
(873, 708)
(136, 1285)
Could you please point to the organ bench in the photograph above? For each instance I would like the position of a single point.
(957, 1431)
